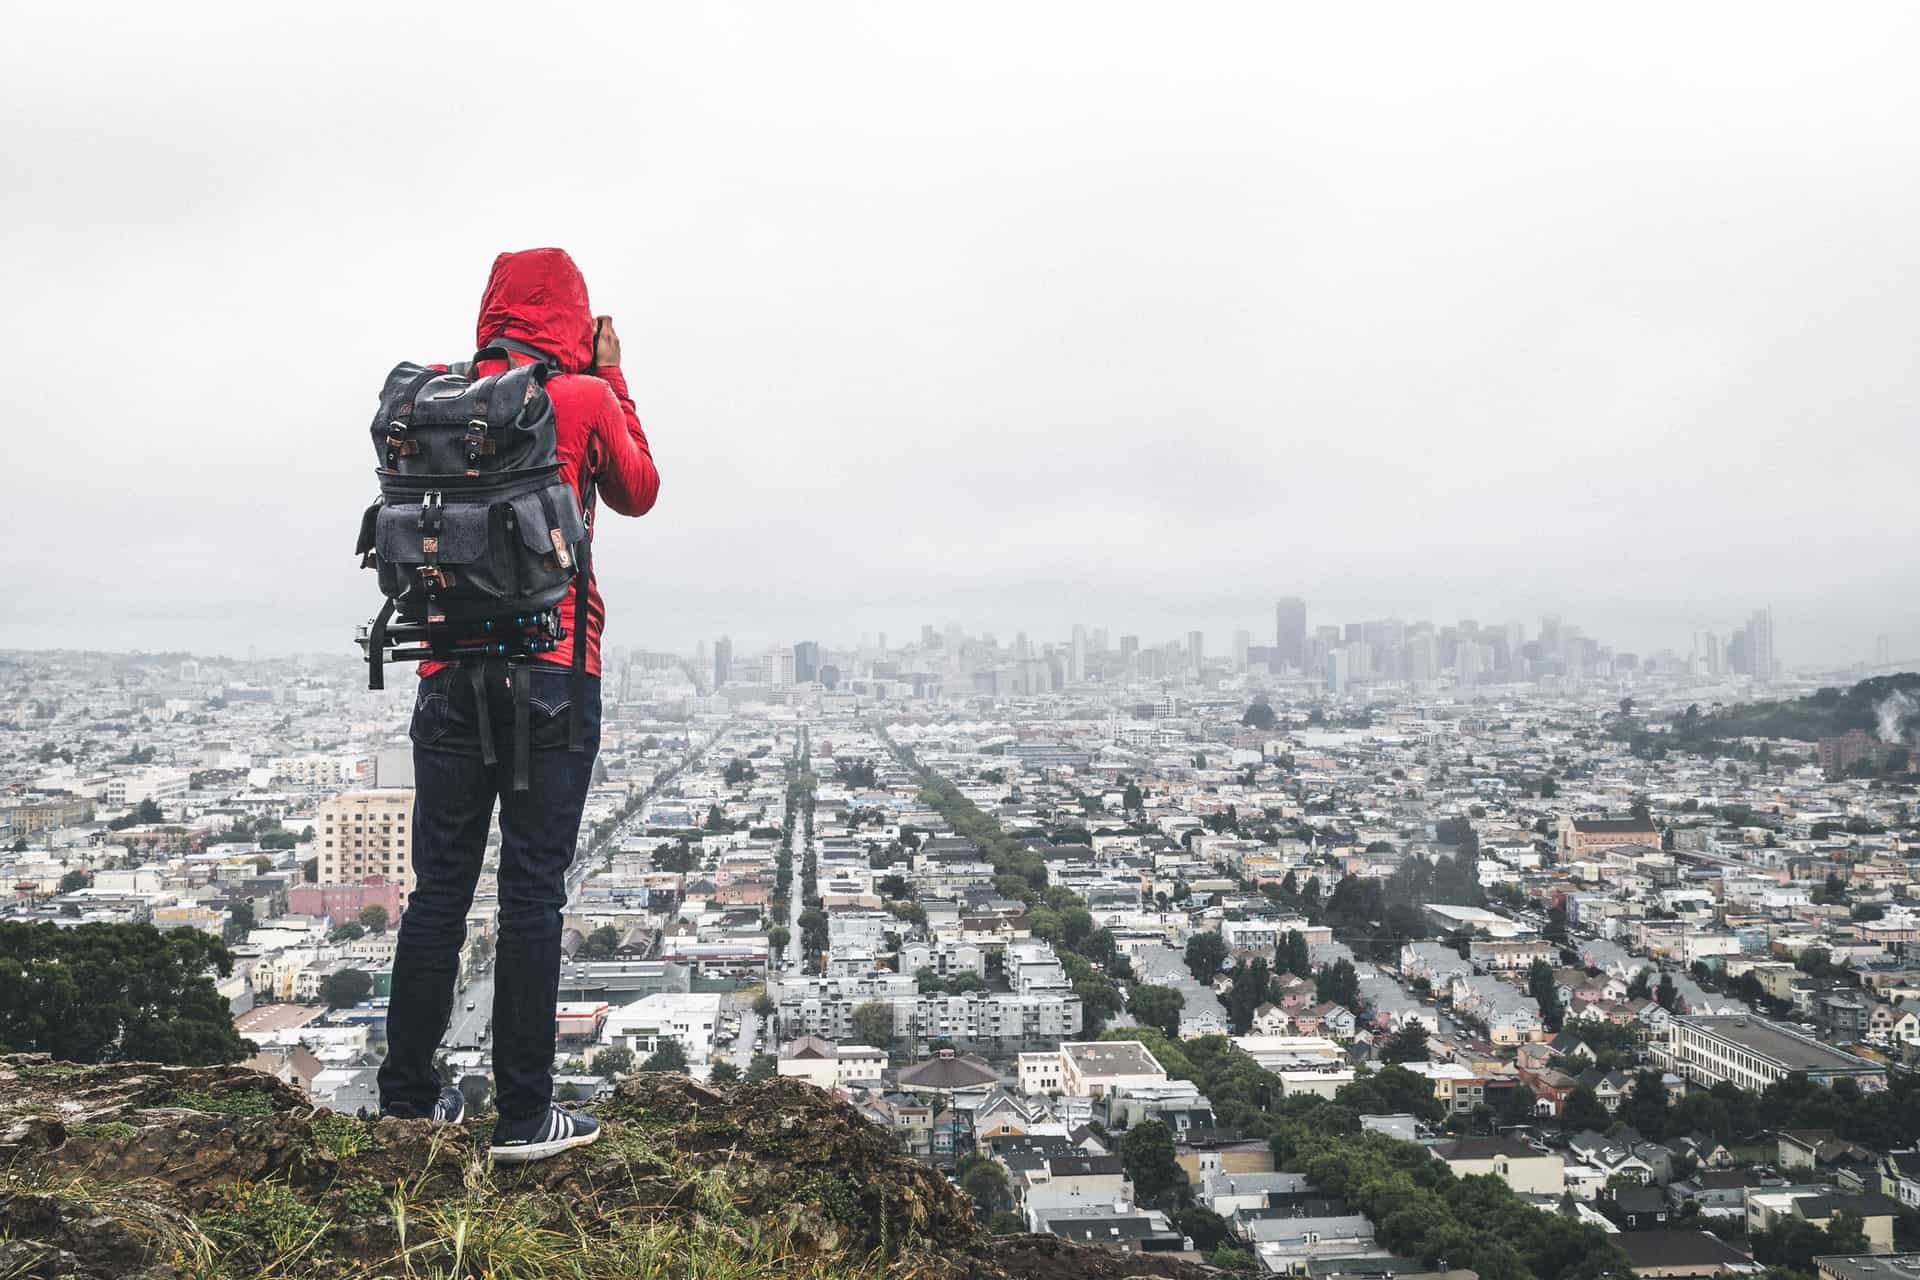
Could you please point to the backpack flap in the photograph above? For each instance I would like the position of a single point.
(550, 526)
(428, 548)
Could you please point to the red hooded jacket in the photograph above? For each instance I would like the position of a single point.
(538, 297)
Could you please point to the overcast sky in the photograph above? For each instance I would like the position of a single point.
(1016, 315)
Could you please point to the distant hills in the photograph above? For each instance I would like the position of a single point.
(1888, 707)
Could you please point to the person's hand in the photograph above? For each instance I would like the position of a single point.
(606, 344)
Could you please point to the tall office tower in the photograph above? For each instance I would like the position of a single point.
(1760, 643)
(1242, 641)
(780, 668)
(1130, 655)
(1077, 658)
(1353, 631)
(1740, 652)
(954, 636)
(806, 662)
(927, 636)
(722, 661)
(1467, 663)
(1706, 654)
(1290, 632)
(1100, 640)
(1337, 671)
(1883, 651)
(1550, 636)
(883, 642)
(1420, 649)
(1196, 646)
(1359, 660)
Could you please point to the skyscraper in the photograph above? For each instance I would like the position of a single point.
(1196, 646)
(1290, 632)
(1077, 660)
(1241, 642)
(806, 661)
(1760, 643)
(722, 661)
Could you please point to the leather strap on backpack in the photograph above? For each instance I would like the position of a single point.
(583, 570)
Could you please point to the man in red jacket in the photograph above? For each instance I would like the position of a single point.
(535, 305)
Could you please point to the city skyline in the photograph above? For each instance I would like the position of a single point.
(1249, 301)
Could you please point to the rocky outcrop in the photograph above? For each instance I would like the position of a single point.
(134, 1170)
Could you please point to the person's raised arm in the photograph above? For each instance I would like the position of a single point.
(624, 468)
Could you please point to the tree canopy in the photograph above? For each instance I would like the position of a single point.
(116, 993)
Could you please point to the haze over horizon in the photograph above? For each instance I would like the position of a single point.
(1041, 317)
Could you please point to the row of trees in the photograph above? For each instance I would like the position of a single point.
(1419, 1208)
(1057, 915)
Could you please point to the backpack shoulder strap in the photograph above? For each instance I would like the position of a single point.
(500, 347)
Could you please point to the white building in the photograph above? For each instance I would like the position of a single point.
(688, 1017)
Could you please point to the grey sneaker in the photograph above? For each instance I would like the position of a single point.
(543, 1136)
(451, 1106)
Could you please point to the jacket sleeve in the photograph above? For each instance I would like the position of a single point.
(621, 460)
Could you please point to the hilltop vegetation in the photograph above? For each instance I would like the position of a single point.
(219, 1173)
(1887, 707)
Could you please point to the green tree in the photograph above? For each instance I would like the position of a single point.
(348, 932)
(74, 881)
(601, 944)
(762, 1067)
(778, 937)
(1260, 716)
(1338, 982)
(374, 917)
(763, 1005)
(1207, 1229)
(1545, 990)
(240, 921)
(1645, 1108)
(873, 1024)
(1248, 994)
(1292, 954)
(1666, 994)
(1206, 955)
(1157, 1007)
(617, 1061)
(668, 1055)
(346, 988)
(724, 1072)
(1583, 1110)
(115, 993)
(1147, 1155)
(986, 1183)
(1408, 1044)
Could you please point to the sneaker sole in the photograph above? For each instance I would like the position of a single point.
(523, 1153)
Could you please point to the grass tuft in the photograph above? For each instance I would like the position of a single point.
(238, 1102)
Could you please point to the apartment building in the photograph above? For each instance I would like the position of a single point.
(1753, 1052)
(361, 834)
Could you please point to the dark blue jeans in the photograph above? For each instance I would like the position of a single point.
(454, 791)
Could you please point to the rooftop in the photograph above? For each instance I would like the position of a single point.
(1112, 1058)
(1791, 1050)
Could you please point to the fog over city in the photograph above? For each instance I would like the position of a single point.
(1019, 316)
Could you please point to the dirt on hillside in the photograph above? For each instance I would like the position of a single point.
(135, 1170)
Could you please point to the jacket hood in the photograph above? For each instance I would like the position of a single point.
(538, 297)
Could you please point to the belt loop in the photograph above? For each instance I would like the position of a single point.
(477, 677)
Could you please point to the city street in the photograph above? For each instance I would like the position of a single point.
(465, 1030)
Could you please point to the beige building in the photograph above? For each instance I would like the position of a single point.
(366, 833)
(1527, 1171)
(1090, 1069)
